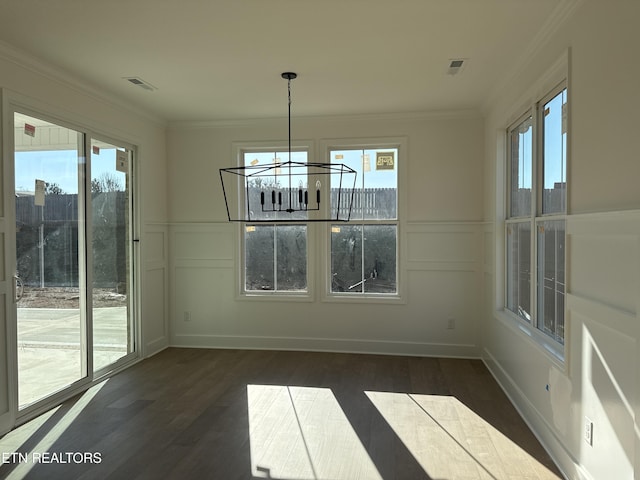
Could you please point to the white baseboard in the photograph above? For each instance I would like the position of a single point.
(567, 464)
(326, 345)
(155, 346)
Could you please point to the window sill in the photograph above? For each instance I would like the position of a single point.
(371, 298)
(268, 296)
(553, 350)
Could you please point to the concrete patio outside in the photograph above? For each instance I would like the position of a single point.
(49, 347)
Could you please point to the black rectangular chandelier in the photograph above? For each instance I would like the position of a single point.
(288, 191)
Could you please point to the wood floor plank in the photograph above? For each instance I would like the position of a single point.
(234, 414)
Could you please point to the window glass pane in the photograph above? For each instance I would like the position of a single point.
(363, 258)
(259, 242)
(379, 268)
(274, 189)
(521, 147)
(519, 269)
(291, 264)
(551, 278)
(379, 196)
(275, 257)
(554, 151)
(346, 258)
(376, 182)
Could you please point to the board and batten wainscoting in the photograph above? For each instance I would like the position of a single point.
(440, 275)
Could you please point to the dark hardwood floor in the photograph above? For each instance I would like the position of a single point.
(232, 414)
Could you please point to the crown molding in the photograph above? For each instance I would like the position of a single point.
(399, 116)
(558, 18)
(55, 74)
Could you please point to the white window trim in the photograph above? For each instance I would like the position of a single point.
(324, 275)
(553, 80)
(239, 148)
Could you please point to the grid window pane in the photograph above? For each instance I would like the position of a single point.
(551, 278)
(259, 242)
(376, 193)
(269, 190)
(346, 258)
(379, 267)
(554, 150)
(519, 269)
(276, 258)
(521, 171)
(363, 258)
(291, 257)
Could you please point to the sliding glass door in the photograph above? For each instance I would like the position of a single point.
(73, 257)
(111, 246)
(50, 253)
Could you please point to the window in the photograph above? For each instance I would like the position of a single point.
(536, 215)
(275, 254)
(364, 250)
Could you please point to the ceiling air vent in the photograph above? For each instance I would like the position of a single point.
(140, 83)
(456, 65)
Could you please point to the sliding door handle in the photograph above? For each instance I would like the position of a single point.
(18, 288)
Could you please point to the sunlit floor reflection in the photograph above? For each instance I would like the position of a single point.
(450, 441)
(13, 442)
(302, 433)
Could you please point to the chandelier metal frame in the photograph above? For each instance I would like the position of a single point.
(269, 193)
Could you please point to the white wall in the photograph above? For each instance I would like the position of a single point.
(53, 92)
(440, 241)
(599, 378)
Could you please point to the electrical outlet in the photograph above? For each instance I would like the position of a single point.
(588, 431)
(451, 324)
(187, 316)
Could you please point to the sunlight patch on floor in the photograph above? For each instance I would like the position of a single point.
(49, 439)
(302, 433)
(449, 440)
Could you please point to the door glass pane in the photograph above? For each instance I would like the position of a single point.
(49, 179)
(111, 244)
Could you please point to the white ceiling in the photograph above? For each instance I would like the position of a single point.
(222, 59)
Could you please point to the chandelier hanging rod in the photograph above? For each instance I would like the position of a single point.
(266, 192)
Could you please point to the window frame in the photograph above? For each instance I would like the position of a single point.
(535, 219)
(400, 145)
(240, 149)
